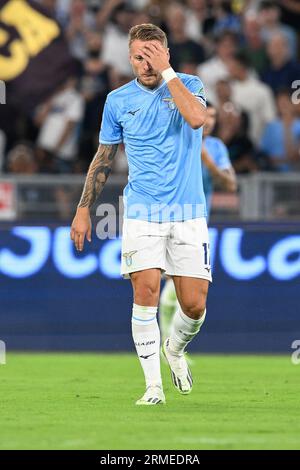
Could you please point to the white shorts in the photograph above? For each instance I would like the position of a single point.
(177, 248)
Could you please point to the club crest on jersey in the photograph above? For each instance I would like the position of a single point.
(128, 257)
(170, 103)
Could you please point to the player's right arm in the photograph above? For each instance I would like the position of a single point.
(96, 178)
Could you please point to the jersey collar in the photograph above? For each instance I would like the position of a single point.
(148, 90)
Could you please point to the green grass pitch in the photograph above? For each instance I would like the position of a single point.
(86, 401)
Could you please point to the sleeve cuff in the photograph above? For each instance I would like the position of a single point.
(112, 142)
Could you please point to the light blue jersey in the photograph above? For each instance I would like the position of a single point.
(162, 149)
(219, 153)
(273, 141)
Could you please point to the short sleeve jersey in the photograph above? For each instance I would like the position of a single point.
(163, 151)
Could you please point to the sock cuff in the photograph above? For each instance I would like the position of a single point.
(143, 315)
(189, 320)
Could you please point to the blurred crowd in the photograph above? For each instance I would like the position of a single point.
(245, 52)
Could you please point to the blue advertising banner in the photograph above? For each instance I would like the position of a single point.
(53, 298)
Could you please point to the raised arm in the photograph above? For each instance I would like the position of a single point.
(188, 104)
(97, 175)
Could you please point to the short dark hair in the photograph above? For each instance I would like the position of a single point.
(147, 32)
(242, 59)
(226, 34)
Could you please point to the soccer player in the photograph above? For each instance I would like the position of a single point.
(159, 116)
(217, 168)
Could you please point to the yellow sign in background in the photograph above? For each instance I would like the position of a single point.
(36, 31)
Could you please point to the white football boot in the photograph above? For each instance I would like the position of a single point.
(154, 395)
(180, 372)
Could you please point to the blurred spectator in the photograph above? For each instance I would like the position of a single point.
(76, 28)
(58, 8)
(141, 17)
(115, 39)
(21, 160)
(251, 95)
(223, 93)
(269, 14)
(281, 137)
(296, 98)
(254, 47)
(62, 11)
(82, 19)
(120, 164)
(59, 120)
(232, 129)
(156, 9)
(290, 10)
(216, 69)
(195, 12)
(182, 49)
(139, 5)
(240, 148)
(106, 11)
(96, 83)
(282, 71)
(97, 31)
(188, 67)
(225, 19)
(49, 5)
(2, 149)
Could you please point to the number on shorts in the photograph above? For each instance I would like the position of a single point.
(206, 254)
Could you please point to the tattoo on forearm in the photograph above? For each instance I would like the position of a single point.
(97, 175)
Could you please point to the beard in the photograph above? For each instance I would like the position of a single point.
(152, 81)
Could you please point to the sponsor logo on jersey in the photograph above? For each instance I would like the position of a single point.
(133, 112)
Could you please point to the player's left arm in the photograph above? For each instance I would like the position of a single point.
(225, 177)
(96, 178)
(187, 104)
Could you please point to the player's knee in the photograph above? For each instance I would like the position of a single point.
(146, 294)
(194, 308)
